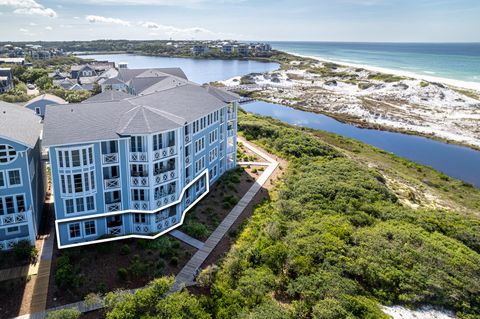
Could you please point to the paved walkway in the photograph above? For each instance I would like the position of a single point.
(186, 239)
(187, 274)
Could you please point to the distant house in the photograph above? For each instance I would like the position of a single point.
(65, 83)
(58, 75)
(40, 103)
(227, 48)
(22, 184)
(243, 49)
(18, 61)
(40, 55)
(6, 80)
(200, 49)
(79, 71)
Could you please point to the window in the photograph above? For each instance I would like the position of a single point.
(213, 172)
(74, 158)
(69, 208)
(14, 178)
(9, 205)
(140, 218)
(200, 165)
(37, 110)
(213, 136)
(80, 205)
(7, 153)
(2, 179)
(213, 155)
(157, 142)
(171, 139)
(74, 230)
(89, 227)
(77, 183)
(136, 144)
(199, 145)
(12, 230)
(138, 194)
(90, 203)
(20, 203)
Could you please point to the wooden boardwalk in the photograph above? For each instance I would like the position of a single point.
(187, 275)
(186, 239)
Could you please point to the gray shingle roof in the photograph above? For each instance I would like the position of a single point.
(49, 97)
(19, 124)
(127, 74)
(155, 112)
(108, 95)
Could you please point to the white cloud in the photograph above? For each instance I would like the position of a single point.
(156, 2)
(32, 24)
(100, 19)
(30, 7)
(48, 28)
(172, 31)
(23, 30)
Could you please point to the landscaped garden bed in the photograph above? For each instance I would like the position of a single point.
(124, 264)
(202, 220)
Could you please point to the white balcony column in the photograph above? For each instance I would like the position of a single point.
(31, 227)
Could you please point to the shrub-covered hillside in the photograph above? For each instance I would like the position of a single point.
(334, 242)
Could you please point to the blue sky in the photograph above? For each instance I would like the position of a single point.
(312, 20)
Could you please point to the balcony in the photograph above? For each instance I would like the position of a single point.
(141, 181)
(140, 205)
(164, 152)
(166, 223)
(111, 183)
(165, 200)
(165, 177)
(113, 207)
(9, 244)
(116, 231)
(15, 218)
(111, 158)
(230, 133)
(138, 156)
(188, 138)
(188, 160)
(231, 116)
(141, 228)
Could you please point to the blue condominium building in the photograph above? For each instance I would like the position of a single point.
(21, 175)
(133, 166)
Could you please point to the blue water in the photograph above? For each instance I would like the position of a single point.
(458, 61)
(456, 161)
(199, 71)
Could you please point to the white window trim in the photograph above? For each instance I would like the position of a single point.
(8, 177)
(85, 231)
(203, 144)
(81, 230)
(38, 111)
(16, 155)
(4, 180)
(85, 205)
(215, 131)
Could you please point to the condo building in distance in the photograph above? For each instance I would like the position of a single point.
(132, 164)
(22, 185)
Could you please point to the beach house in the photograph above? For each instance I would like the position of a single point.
(41, 102)
(22, 182)
(131, 166)
(6, 80)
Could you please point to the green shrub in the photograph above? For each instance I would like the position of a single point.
(122, 274)
(174, 261)
(72, 313)
(125, 250)
(24, 251)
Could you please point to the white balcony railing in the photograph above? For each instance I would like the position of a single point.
(230, 133)
(139, 181)
(16, 218)
(111, 183)
(188, 138)
(113, 207)
(142, 228)
(111, 158)
(165, 177)
(188, 160)
(118, 230)
(166, 223)
(10, 243)
(164, 152)
(138, 157)
(140, 205)
(165, 200)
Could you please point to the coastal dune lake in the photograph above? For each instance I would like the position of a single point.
(456, 161)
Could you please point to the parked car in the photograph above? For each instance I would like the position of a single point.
(31, 86)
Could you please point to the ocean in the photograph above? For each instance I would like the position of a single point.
(455, 61)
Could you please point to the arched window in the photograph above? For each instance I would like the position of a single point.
(7, 154)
